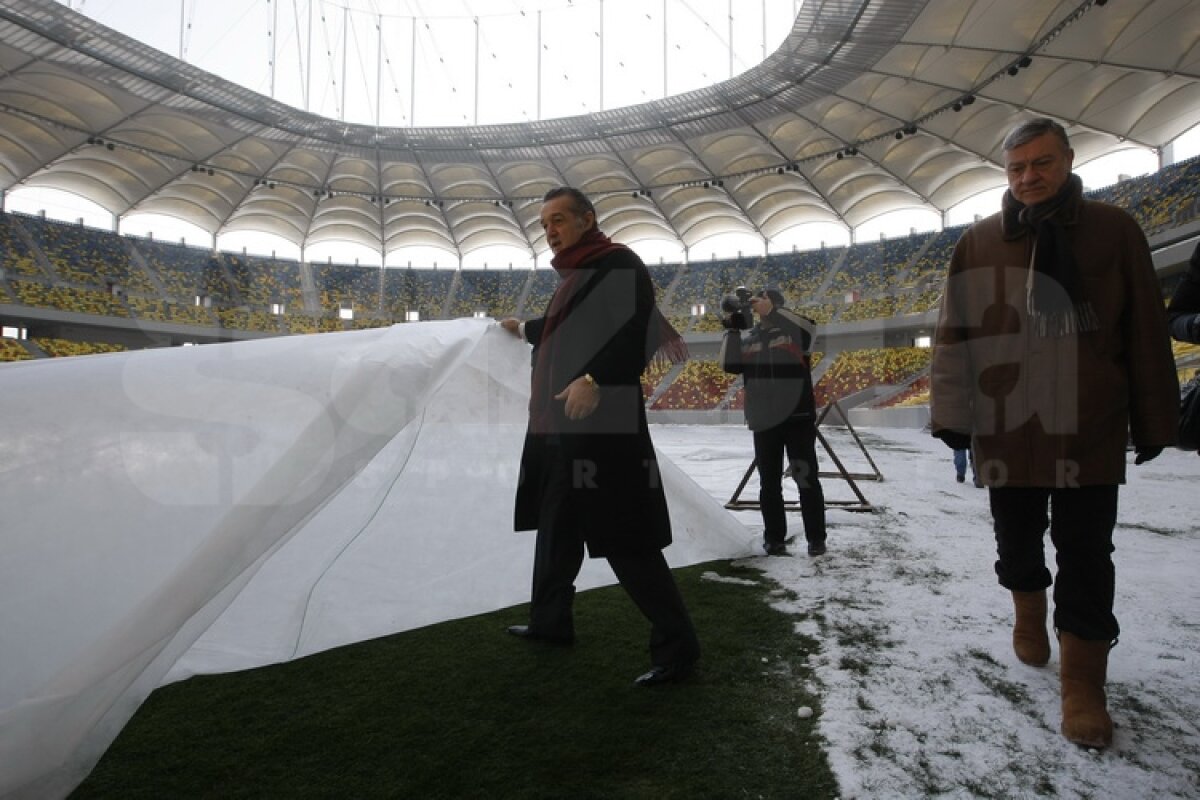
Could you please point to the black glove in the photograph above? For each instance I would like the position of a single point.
(1193, 328)
(1144, 454)
(736, 321)
(955, 440)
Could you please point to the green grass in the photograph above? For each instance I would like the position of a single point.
(461, 710)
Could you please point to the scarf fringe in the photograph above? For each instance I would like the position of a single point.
(673, 349)
(1079, 319)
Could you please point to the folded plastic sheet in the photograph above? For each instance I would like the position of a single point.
(205, 509)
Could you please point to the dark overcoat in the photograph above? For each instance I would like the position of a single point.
(615, 496)
(1185, 303)
(1060, 411)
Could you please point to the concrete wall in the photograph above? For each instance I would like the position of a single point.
(897, 417)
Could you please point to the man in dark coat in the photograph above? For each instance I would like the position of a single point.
(774, 362)
(1183, 312)
(1050, 355)
(589, 476)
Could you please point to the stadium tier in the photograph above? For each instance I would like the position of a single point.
(76, 270)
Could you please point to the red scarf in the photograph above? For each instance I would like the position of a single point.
(593, 245)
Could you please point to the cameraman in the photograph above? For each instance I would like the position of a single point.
(775, 366)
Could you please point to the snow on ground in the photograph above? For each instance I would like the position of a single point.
(919, 692)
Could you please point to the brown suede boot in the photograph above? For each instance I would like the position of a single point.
(1030, 641)
(1084, 670)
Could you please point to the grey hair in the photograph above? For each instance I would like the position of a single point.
(1031, 129)
(579, 201)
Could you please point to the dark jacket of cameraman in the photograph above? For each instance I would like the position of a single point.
(775, 366)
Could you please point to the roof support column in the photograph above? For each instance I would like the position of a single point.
(345, 48)
(538, 114)
(379, 72)
(729, 15)
(475, 118)
(665, 48)
(274, 39)
(601, 55)
(412, 78)
(308, 68)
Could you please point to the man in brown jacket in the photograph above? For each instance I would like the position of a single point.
(1051, 352)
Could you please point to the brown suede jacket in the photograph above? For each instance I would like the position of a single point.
(1049, 411)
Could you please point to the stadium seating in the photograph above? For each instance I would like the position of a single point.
(188, 273)
(69, 267)
(12, 350)
(263, 282)
(342, 286)
(86, 256)
(700, 385)
(494, 292)
(99, 302)
(855, 370)
(421, 291)
(1167, 197)
(59, 348)
(15, 256)
(167, 311)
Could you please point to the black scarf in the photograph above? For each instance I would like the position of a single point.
(1056, 303)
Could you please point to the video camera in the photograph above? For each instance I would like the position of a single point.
(738, 313)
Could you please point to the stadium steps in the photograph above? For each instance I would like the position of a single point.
(39, 257)
(138, 260)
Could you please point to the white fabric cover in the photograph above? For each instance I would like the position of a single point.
(204, 509)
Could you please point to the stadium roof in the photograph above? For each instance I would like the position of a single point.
(868, 107)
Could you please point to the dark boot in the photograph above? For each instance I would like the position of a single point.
(1084, 671)
(1030, 641)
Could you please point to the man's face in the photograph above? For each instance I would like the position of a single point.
(562, 225)
(1038, 169)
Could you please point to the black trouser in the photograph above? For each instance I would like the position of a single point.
(645, 576)
(798, 437)
(1081, 523)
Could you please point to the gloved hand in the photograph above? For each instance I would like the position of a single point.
(1193, 328)
(955, 440)
(735, 321)
(1144, 454)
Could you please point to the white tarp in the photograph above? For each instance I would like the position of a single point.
(204, 509)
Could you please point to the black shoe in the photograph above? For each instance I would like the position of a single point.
(816, 548)
(526, 632)
(775, 548)
(668, 673)
(961, 478)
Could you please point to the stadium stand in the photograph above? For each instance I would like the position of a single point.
(800, 276)
(86, 257)
(344, 287)
(167, 311)
(12, 350)
(99, 302)
(1165, 198)
(68, 267)
(264, 282)
(494, 292)
(700, 385)
(540, 290)
(705, 283)
(16, 257)
(189, 274)
(855, 370)
(419, 291)
(60, 348)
